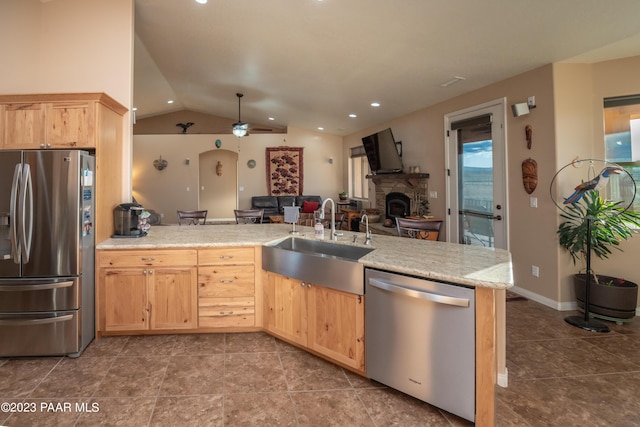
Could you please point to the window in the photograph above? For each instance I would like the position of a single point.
(622, 136)
(358, 171)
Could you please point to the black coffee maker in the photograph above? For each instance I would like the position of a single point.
(125, 220)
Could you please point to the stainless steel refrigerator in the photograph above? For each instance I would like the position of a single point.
(47, 253)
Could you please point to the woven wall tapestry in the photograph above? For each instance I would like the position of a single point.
(284, 171)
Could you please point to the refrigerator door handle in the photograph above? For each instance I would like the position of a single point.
(13, 224)
(26, 223)
(43, 321)
(38, 287)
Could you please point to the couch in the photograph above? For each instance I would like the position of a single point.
(274, 205)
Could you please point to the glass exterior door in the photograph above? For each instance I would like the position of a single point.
(475, 189)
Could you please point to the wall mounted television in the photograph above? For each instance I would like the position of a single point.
(382, 153)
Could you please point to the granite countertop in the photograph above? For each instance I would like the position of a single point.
(463, 264)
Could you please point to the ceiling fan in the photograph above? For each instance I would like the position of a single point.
(240, 128)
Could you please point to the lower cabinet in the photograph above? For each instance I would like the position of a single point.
(147, 290)
(325, 320)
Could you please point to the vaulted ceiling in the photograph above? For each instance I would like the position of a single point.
(312, 63)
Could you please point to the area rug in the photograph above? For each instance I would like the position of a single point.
(284, 171)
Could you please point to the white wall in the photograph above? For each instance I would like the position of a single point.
(69, 46)
(165, 191)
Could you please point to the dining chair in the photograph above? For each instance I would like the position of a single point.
(249, 216)
(418, 229)
(339, 218)
(192, 217)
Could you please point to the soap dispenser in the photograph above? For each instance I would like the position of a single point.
(319, 228)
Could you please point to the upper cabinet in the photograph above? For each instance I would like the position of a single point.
(54, 120)
(87, 121)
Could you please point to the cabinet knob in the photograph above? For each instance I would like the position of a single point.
(302, 284)
(144, 271)
(150, 271)
(308, 285)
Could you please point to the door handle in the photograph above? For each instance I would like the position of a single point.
(13, 214)
(44, 321)
(26, 223)
(428, 296)
(40, 287)
(498, 217)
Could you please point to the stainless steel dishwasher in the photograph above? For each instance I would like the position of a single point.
(420, 339)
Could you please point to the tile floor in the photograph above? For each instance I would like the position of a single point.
(559, 375)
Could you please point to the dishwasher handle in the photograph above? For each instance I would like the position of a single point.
(437, 298)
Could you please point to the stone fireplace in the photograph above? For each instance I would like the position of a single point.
(404, 191)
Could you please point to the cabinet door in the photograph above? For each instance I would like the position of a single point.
(336, 325)
(23, 126)
(286, 308)
(69, 125)
(124, 299)
(173, 298)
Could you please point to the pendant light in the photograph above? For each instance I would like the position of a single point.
(240, 129)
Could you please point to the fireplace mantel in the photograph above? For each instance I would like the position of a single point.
(412, 179)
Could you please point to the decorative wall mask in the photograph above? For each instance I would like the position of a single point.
(219, 168)
(529, 175)
(528, 135)
(218, 143)
(160, 163)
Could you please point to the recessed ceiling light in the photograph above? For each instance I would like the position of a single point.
(320, 128)
(170, 101)
(134, 109)
(353, 116)
(201, 1)
(375, 104)
(272, 118)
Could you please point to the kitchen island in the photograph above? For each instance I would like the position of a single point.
(462, 264)
(217, 284)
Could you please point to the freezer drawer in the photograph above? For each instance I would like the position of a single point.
(40, 334)
(52, 294)
(421, 339)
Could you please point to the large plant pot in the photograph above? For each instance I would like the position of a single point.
(617, 301)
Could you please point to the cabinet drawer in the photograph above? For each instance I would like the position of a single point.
(225, 281)
(151, 258)
(225, 312)
(218, 256)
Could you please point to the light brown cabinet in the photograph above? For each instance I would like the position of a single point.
(49, 125)
(226, 287)
(147, 290)
(90, 121)
(327, 321)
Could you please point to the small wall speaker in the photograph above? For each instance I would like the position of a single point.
(520, 109)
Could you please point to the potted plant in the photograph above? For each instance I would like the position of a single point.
(610, 223)
(343, 195)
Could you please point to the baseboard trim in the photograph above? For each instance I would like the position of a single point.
(503, 378)
(560, 306)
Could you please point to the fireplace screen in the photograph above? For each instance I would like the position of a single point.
(397, 205)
